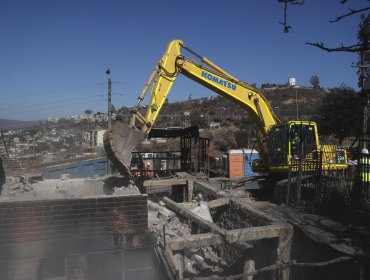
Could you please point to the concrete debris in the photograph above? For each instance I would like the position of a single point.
(189, 267)
(203, 267)
(27, 188)
(249, 267)
(174, 228)
(14, 187)
(161, 211)
(125, 190)
(203, 211)
(183, 211)
(203, 261)
(64, 176)
(210, 255)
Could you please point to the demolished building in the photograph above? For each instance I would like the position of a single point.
(174, 228)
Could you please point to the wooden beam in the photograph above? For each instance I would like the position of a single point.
(195, 241)
(164, 182)
(283, 251)
(253, 233)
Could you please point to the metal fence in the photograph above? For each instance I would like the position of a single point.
(327, 189)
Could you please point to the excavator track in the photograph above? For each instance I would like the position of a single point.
(119, 142)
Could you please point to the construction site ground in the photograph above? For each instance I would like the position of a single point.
(206, 231)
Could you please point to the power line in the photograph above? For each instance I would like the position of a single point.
(47, 103)
(50, 92)
(49, 107)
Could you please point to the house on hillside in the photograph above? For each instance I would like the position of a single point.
(96, 138)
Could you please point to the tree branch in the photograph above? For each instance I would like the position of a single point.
(352, 12)
(287, 27)
(353, 48)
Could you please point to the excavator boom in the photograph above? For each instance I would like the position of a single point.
(120, 140)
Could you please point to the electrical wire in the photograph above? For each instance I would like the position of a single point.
(49, 107)
(45, 103)
(50, 92)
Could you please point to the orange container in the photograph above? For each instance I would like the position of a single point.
(235, 163)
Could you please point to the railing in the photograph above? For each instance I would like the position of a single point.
(318, 184)
(156, 163)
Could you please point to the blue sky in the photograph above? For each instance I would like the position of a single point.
(53, 54)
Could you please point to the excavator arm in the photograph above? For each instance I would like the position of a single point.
(120, 140)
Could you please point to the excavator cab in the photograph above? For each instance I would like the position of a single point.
(303, 140)
(291, 141)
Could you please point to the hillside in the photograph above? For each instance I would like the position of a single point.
(14, 124)
(283, 102)
(219, 109)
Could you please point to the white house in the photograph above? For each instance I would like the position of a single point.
(96, 138)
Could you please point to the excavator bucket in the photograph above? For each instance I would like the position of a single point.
(119, 142)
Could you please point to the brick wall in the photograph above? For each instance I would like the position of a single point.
(26, 269)
(131, 264)
(121, 221)
(76, 267)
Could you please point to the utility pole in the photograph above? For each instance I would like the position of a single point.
(109, 99)
(363, 69)
(109, 164)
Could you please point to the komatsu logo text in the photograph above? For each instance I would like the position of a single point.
(218, 80)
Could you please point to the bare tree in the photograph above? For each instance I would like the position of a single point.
(284, 23)
(351, 12)
(287, 27)
(363, 48)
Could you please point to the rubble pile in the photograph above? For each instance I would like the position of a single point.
(211, 260)
(34, 188)
(203, 261)
(232, 216)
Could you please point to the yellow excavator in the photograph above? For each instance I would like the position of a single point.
(279, 143)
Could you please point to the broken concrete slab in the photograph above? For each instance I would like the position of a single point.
(202, 211)
(178, 208)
